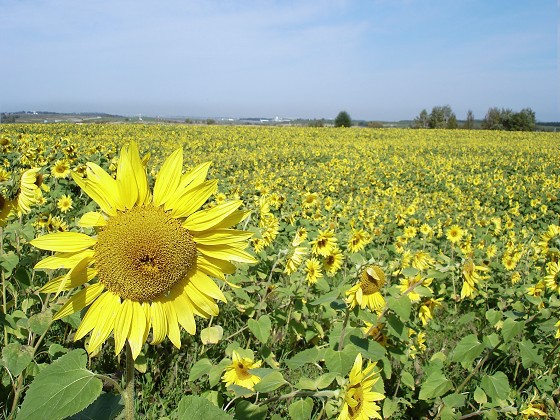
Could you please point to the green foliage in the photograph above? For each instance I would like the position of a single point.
(343, 120)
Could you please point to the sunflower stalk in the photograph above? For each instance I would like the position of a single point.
(129, 385)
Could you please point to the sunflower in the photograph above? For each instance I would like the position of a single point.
(333, 262)
(552, 278)
(29, 190)
(359, 398)
(324, 243)
(313, 270)
(5, 209)
(238, 372)
(472, 276)
(454, 234)
(64, 203)
(61, 169)
(294, 259)
(358, 240)
(152, 256)
(367, 291)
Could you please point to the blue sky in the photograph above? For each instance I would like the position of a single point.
(376, 59)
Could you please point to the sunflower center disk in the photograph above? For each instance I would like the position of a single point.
(142, 253)
(369, 283)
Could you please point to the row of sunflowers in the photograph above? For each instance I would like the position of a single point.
(272, 272)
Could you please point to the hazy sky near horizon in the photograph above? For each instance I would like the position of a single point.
(377, 59)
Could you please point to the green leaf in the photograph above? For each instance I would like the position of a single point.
(493, 316)
(200, 368)
(40, 323)
(496, 386)
(407, 379)
(303, 357)
(468, 349)
(435, 385)
(61, 389)
(195, 407)
(511, 329)
(301, 409)
(9, 261)
(389, 407)
(325, 380)
(245, 410)
(454, 400)
(339, 361)
(270, 382)
(305, 383)
(401, 306)
(106, 407)
(480, 396)
(326, 298)
(261, 328)
(409, 271)
(17, 357)
(529, 354)
(211, 335)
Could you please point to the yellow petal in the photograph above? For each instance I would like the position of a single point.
(105, 184)
(172, 326)
(123, 321)
(159, 322)
(105, 323)
(192, 199)
(233, 219)
(227, 252)
(184, 311)
(80, 300)
(126, 182)
(139, 174)
(92, 219)
(214, 267)
(168, 177)
(95, 194)
(221, 236)
(64, 242)
(63, 260)
(195, 176)
(203, 301)
(206, 286)
(92, 315)
(207, 219)
(137, 329)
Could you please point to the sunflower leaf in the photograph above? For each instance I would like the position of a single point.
(193, 406)
(62, 389)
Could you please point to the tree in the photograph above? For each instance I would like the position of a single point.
(492, 120)
(469, 122)
(452, 122)
(440, 116)
(343, 120)
(524, 120)
(422, 120)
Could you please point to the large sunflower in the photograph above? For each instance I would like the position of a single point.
(152, 256)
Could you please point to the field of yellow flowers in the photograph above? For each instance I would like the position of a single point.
(159, 271)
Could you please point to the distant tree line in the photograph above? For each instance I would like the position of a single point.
(495, 119)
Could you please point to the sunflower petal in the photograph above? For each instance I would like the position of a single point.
(139, 173)
(221, 236)
(106, 322)
(172, 326)
(159, 322)
(92, 219)
(80, 300)
(63, 260)
(184, 310)
(203, 301)
(123, 322)
(125, 174)
(137, 329)
(207, 219)
(105, 184)
(206, 286)
(192, 199)
(168, 177)
(95, 194)
(195, 176)
(233, 219)
(64, 242)
(227, 252)
(92, 315)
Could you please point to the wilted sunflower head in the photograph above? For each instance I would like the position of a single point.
(372, 279)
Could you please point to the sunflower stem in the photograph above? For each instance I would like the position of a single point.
(129, 384)
(4, 303)
(343, 331)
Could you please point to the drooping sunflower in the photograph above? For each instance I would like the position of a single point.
(152, 256)
(367, 291)
(28, 190)
(5, 209)
(472, 276)
(238, 372)
(313, 270)
(359, 398)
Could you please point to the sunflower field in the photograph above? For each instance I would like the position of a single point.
(164, 271)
